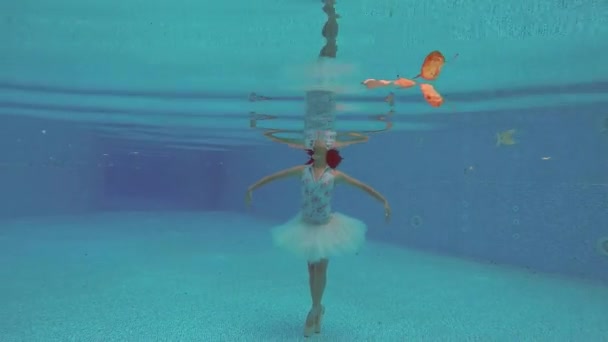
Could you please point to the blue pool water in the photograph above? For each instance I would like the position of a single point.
(130, 132)
(215, 276)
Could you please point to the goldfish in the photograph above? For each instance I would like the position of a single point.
(404, 82)
(431, 96)
(372, 83)
(431, 67)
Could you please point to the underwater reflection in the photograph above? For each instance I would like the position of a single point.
(317, 233)
(299, 139)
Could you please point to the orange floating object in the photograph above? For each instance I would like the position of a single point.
(404, 82)
(431, 67)
(431, 96)
(372, 83)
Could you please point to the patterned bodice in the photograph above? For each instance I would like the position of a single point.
(316, 195)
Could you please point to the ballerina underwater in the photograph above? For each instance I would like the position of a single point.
(316, 233)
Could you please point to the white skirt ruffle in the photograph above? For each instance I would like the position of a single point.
(313, 242)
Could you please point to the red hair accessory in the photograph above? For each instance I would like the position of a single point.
(332, 158)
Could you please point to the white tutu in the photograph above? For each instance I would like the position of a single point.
(341, 235)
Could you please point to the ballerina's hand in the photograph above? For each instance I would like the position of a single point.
(248, 197)
(387, 212)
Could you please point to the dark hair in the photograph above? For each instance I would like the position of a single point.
(332, 158)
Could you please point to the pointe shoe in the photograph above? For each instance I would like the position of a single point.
(312, 322)
(319, 320)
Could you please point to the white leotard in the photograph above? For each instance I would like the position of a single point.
(316, 195)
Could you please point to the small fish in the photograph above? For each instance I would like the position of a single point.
(404, 82)
(372, 83)
(431, 96)
(506, 138)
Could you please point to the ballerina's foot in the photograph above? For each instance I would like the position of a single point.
(313, 321)
(319, 320)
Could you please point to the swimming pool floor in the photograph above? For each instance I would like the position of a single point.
(216, 277)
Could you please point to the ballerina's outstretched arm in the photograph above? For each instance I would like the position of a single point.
(294, 171)
(291, 142)
(358, 139)
(343, 177)
(355, 138)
